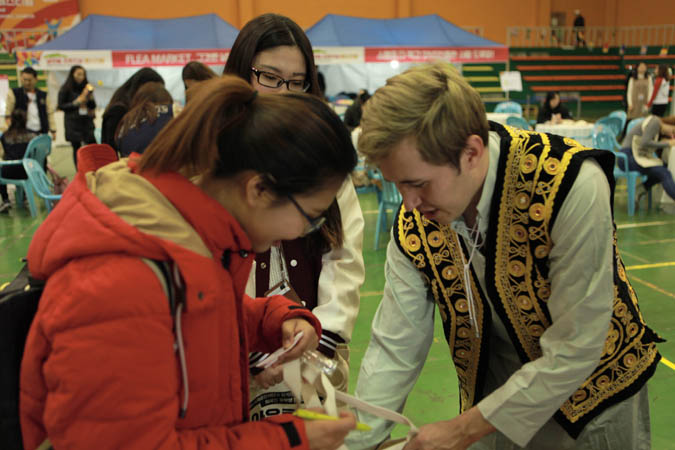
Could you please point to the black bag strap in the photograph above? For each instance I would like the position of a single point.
(171, 282)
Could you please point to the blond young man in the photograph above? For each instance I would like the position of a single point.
(510, 233)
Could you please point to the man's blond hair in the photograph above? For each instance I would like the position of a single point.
(431, 103)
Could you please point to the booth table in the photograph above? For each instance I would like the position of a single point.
(581, 132)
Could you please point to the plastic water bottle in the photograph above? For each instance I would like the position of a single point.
(321, 362)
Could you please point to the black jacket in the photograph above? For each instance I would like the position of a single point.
(111, 118)
(546, 113)
(41, 97)
(79, 127)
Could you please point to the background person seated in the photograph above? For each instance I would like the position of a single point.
(13, 146)
(151, 109)
(553, 110)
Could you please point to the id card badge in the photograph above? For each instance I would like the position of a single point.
(83, 111)
(284, 288)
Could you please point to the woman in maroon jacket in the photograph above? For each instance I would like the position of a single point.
(105, 364)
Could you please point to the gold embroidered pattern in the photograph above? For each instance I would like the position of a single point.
(521, 227)
(434, 249)
(625, 357)
(532, 180)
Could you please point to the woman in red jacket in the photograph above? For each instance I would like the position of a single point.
(106, 365)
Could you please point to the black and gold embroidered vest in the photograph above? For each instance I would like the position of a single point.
(535, 173)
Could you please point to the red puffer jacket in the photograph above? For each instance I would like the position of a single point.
(100, 369)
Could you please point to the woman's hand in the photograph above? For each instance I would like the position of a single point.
(270, 377)
(329, 434)
(82, 98)
(309, 340)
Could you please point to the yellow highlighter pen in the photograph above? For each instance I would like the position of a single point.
(311, 415)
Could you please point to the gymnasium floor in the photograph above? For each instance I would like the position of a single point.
(647, 245)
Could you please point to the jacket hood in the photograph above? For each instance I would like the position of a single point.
(114, 210)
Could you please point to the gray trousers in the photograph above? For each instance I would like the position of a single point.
(623, 426)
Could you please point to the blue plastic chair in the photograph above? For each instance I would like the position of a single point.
(518, 122)
(38, 149)
(509, 107)
(390, 199)
(40, 183)
(612, 123)
(634, 122)
(621, 114)
(372, 175)
(604, 139)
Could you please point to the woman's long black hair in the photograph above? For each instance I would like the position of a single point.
(72, 85)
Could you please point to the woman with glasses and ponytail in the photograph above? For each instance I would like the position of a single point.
(322, 271)
(144, 329)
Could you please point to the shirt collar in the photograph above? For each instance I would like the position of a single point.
(483, 207)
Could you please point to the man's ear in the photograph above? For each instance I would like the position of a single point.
(474, 151)
(257, 191)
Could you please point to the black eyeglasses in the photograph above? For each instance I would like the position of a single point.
(271, 80)
(314, 222)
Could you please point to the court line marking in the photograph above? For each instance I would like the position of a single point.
(651, 266)
(657, 241)
(643, 224)
(31, 227)
(652, 286)
(667, 363)
(371, 293)
(632, 255)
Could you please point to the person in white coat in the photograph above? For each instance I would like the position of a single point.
(323, 271)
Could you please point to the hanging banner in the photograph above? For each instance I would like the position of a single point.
(27, 23)
(429, 54)
(156, 58)
(107, 59)
(64, 60)
(338, 55)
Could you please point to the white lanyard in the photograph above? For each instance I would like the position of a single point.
(474, 244)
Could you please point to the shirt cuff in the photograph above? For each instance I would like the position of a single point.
(329, 342)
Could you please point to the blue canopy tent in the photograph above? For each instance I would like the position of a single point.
(112, 38)
(423, 31)
(98, 32)
(400, 43)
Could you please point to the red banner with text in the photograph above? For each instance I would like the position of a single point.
(158, 58)
(428, 54)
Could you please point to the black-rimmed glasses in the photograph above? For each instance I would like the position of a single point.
(314, 222)
(272, 80)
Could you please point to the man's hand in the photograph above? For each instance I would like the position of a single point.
(309, 340)
(456, 434)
